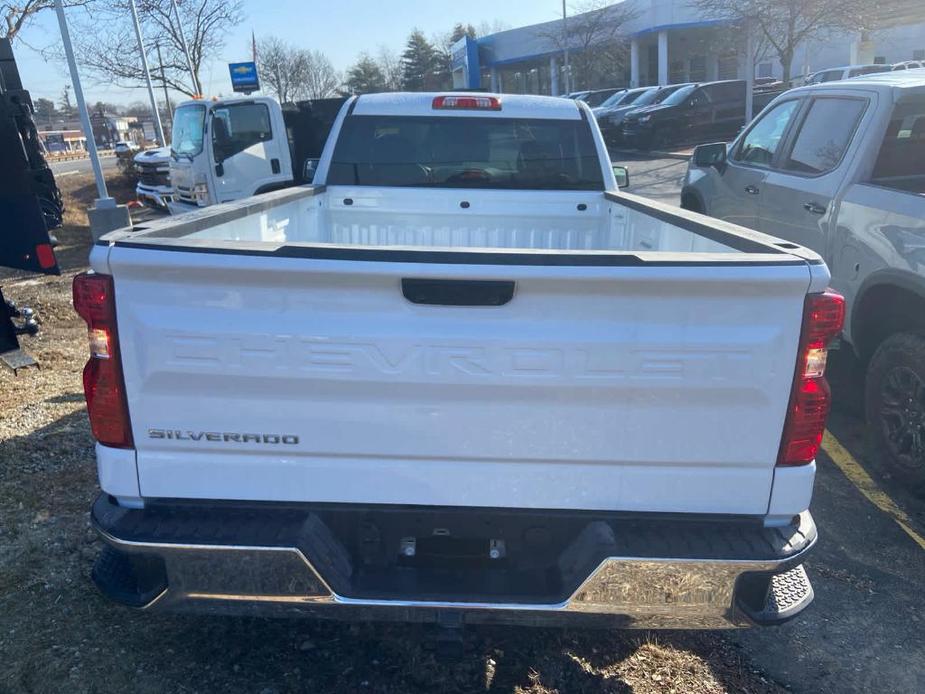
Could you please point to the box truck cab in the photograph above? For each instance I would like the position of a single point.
(227, 149)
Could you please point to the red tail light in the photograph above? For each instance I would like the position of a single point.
(810, 399)
(45, 255)
(104, 386)
(467, 103)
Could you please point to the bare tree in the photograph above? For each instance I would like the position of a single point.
(321, 79)
(594, 38)
(495, 27)
(280, 69)
(292, 73)
(786, 24)
(390, 64)
(18, 15)
(107, 48)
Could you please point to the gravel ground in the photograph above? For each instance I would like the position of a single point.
(57, 633)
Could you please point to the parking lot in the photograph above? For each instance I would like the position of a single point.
(863, 633)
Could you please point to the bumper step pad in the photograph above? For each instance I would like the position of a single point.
(789, 593)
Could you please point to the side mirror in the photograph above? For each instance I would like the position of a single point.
(308, 170)
(710, 155)
(622, 174)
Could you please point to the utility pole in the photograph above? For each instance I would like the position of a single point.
(568, 67)
(189, 61)
(144, 65)
(160, 61)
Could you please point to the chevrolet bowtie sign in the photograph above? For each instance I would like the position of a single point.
(244, 77)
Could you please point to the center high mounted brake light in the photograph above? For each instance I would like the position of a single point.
(810, 398)
(104, 385)
(467, 103)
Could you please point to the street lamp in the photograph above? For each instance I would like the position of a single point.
(144, 65)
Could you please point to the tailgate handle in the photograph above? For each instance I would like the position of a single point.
(457, 292)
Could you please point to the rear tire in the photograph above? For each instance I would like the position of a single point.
(895, 404)
(692, 203)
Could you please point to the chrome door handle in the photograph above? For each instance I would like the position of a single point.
(751, 190)
(813, 207)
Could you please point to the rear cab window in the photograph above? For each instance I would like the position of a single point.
(464, 152)
(824, 134)
(900, 162)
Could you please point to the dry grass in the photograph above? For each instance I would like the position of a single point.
(57, 633)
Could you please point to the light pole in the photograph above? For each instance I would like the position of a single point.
(144, 65)
(189, 61)
(104, 201)
(105, 215)
(568, 67)
(160, 61)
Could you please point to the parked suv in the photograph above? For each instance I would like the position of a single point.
(596, 97)
(693, 113)
(846, 72)
(611, 113)
(839, 168)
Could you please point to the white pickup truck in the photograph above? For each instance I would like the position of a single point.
(460, 378)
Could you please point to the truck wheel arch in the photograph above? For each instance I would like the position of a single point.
(692, 200)
(889, 301)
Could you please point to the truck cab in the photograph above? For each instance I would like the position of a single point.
(228, 149)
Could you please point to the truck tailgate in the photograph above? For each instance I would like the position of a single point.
(646, 388)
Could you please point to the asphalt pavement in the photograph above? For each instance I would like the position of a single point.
(659, 179)
(865, 630)
(75, 166)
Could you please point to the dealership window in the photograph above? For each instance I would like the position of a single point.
(824, 135)
(728, 67)
(698, 68)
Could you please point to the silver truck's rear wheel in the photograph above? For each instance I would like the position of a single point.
(895, 401)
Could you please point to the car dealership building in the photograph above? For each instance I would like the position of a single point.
(669, 41)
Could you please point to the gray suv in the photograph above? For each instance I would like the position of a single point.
(840, 168)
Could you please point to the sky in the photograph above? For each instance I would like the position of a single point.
(341, 29)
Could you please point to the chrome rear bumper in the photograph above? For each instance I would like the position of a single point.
(306, 575)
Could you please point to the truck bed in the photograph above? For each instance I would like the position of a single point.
(300, 347)
(364, 218)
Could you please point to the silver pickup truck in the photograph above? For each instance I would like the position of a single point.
(840, 168)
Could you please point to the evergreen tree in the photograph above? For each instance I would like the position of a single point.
(45, 112)
(418, 64)
(66, 107)
(366, 77)
(461, 30)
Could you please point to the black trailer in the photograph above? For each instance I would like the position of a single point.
(30, 204)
